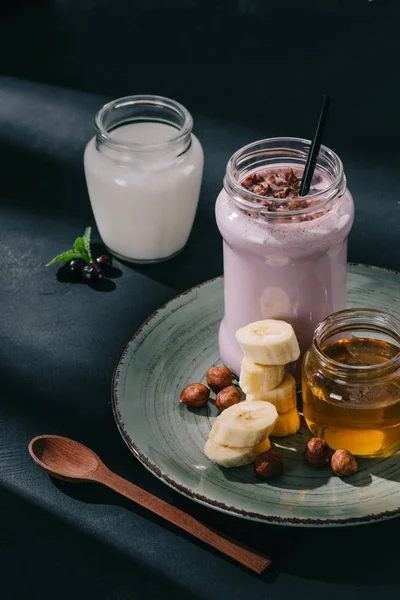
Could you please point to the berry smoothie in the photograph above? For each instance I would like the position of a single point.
(284, 256)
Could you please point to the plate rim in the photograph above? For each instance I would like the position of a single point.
(204, 500)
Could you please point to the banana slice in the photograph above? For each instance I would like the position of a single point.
(257, 379)
(287, 424)
(245, 424)
(269, 342)
(225, 456)
(283, 397)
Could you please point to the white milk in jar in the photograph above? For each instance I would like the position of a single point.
(143, 171)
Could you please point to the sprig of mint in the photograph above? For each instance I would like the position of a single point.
(80, 250)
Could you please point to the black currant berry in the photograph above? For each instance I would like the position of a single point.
(91, 273)
(104, 261)
(75, 268)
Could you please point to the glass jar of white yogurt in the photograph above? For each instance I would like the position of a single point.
(143, 171)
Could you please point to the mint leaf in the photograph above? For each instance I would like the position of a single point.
(80, 247)
(80, 250)
(66, 256)
(86, 239)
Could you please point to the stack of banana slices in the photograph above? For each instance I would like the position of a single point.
(242, 431)
(267, 347)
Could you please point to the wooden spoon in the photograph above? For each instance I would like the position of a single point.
(68, 460)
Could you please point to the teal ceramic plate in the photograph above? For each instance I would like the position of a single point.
(176, 346)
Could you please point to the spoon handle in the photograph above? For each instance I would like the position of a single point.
(245, 556)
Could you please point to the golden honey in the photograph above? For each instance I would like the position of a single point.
(351, 383)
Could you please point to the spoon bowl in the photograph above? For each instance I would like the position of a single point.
(63, 457)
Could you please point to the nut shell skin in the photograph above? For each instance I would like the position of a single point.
(343, 463)
(218, 378)
(227, 397)
(268, 465)
(317, 453)
(195, 394)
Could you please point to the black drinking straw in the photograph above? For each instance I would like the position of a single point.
(315, 147)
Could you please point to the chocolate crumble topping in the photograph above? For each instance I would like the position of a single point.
(281, 184)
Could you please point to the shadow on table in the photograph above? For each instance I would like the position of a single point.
(200, 260)
(333, 555)
(97, 494)
(103, 285)
(43, 554)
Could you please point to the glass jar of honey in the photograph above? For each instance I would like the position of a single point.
(351, 382)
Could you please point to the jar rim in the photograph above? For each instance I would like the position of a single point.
(234, 188)
(370, 319)
(143, 99)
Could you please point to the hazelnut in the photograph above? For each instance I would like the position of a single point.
(218, 378)
(343, 463)
(195, 394)
(227, 397)
(268, 465)
(317, 452)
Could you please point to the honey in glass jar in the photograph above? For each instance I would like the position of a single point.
(351, 382)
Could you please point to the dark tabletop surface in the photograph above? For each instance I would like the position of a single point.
(246, 69)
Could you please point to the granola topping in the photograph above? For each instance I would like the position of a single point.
(282, 184)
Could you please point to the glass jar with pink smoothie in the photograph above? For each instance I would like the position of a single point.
(285, 256)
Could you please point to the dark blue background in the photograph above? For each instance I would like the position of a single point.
(246, 69)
